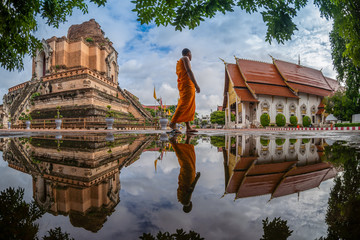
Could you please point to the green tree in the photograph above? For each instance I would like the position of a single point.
(219, 117)
(275, 229)
(18, 23)
(343, 210)
(16, 216)
(341, 106)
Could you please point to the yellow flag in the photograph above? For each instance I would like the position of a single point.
(155, 94)
(169, 113)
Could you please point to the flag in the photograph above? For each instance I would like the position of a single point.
(161, 106)
(155, 94)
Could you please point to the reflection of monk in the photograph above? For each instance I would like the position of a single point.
(187, 85)
(187, 177)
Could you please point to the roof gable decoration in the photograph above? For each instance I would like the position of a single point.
(245, 80)
(295, 91)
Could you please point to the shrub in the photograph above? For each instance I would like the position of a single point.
(280, 120)
(264, 141)
(293, 120)
(279, 141)
(293, 141)
(305, 140)
(306, 121)
(265, 119)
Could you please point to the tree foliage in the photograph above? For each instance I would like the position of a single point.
(293, 120)
(343, 210)
(16, 216)
(277, 15)
(18, 24)
(219, 117)
(275, 229)
(341, 106)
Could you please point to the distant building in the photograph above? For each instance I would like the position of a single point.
(253, 88)
(79, 73)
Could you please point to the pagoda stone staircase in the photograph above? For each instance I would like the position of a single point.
(136, 104)
(22, 101)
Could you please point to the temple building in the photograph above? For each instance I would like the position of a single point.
(275, 167)
(253, 88)
(79, 73)
(75, 176)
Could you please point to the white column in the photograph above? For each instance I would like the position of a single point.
(237, 111)
(229, 111)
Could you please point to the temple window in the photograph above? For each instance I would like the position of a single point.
(313, 110)
(303, 109)
(265, 106)
(279, 107)
(292, 109)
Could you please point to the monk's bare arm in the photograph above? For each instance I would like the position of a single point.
(187, 65)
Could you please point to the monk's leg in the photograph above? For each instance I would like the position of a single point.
(189, 128)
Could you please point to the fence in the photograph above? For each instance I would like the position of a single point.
(86, 123)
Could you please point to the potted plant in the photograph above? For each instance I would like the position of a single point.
(109, 118)
(58, 117)
(163, 119)
(27, 118)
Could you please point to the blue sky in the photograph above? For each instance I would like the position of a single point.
(148, 54)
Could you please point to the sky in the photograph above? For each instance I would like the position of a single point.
(147, 54)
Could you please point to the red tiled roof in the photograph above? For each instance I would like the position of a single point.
(281, 91)
(299, 183)
(235, 75)
(260, 72)
(320, 111)
(245, 95)
(333, 83)
(310, 90)
(298, 74)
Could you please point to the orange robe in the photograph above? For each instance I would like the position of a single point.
(186, 157)
(185, 110)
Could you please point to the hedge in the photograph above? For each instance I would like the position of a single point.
(293, 120)
(264, 141)
(280, 120)
(306, 121)
(265, 120)
(279, 141)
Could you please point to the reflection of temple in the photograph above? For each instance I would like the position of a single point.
(256, 166)
(76, 176)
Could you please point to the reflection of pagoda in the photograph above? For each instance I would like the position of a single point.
(76, 175)
(280, 167)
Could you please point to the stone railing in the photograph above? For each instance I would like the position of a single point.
(76, 72)
(21, 85)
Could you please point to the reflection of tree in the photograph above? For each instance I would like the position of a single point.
(344, 203)
(17, 218)
(276, 229)
(180, 234)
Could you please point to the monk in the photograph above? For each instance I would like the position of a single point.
(187, 176)
(187, 85)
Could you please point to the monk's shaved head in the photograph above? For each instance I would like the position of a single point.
(185, 51)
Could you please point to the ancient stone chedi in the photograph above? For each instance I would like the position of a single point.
(79, 73)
